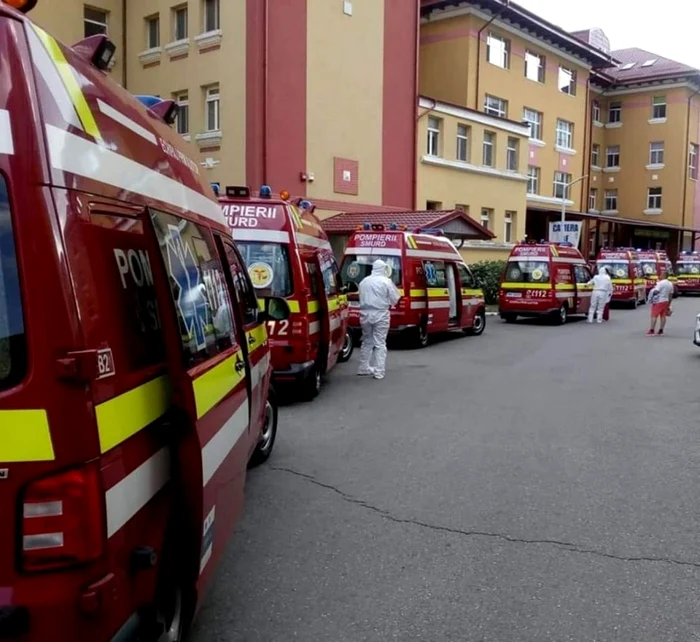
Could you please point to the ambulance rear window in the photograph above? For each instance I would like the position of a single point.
(13, 349)
(357, 266)
(527, 272)
(688, 268)
(268, 267)
(616, 270)
(649, 268)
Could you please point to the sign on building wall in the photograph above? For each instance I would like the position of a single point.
(568, 232)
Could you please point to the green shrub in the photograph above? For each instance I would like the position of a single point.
(488, 274)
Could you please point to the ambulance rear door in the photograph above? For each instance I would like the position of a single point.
(584, 292)
(331, 315)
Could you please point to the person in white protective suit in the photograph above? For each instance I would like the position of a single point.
(602, 291)
(377, 294)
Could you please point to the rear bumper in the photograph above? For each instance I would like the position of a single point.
(527, 312)
(295, 373)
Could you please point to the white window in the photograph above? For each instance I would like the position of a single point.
(565, 134)
(488, 155)
(611, 199)
(433, 136)
(152, 32)
(654, 198)
(180, 29)
(498, 51)
(462, 142)
(211, 15)
(486, 216)
(183, 115)
(495, 106)
(656, 153)
(615, 112)
(512, 154)
(693, 161)
(533, 179)
(94, 21)
(567, 81)
(534, 66)
(213, 106)
(596, 111)
(658, 107)
(534, 120)
(592, 199)
(508, 223)
(561, 185)
(595, 155)
(612, 156)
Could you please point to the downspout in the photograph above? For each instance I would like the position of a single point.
(416, 61)
(124, 41)
(587, 141)
(266, 83)
(415, 147)
(478, 50)
(685, 163)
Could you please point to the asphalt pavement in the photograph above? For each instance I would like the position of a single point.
(534, 484)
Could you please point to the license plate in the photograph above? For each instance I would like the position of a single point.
(354, 304)
(514, 295)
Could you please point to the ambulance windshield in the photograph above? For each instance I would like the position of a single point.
(268, 267)
(616, 270)
(689, 268)
(649, 268)
(12, 338)
(527, 271)
(357, 266)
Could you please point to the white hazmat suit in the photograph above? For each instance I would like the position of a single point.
(602, 292)
(377, 294)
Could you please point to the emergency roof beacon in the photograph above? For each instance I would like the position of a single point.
(545, 280)
(134, 362)
(625, 270)
(438, 291)
(288, 256)
(688, 273)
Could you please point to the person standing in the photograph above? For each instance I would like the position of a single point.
(602, 292)
(660, 298)
(377, 295)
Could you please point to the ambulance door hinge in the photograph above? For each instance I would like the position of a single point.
(85, 365)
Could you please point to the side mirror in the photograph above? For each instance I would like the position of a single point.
(277, 309)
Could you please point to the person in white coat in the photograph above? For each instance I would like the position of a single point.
(602, 292)
(377, 295)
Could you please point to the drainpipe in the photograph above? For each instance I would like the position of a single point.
(124, 56)
(414, 178)
(478, 50)
(266, 77)
(587, 141)
(685, 161)
(415, 148)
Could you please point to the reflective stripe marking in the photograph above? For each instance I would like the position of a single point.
(312, 306)
(417, 292)
(373, 251)
(256, 337)
(622, 281)
(558, 259)
(223, 442)
(7, 145)
(120, 118)
(418, 305)
(313, 241)
(70, 82)
(258, 371)
(424, 254)
(125, 415)
(208, 539)
(411, 242)
(472, 302)
(25, 436)
(333, 304)
(438, 292)
(314, 327)
(267, 236)
(211, 387)
(562, 295)
(472, 292)
(132, 493)
(564, 286)
(435, 305)
(604, 261)
(526, 286)
(70, 153)
(335, 323)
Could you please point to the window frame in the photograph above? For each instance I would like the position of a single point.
(566, 133)
(593, 199)
(541, 66)
(512, 153)
(216, 25)
(693, 153)
(655, 200)
(533, 176)
(177, 11)
(508, 225)
(485, 218)
(571, 88)
(433, 137)
(610, 195)
(538, 123)
(615, 107)
(656, 156)
(182, 99)
(94, 22)
(612, 156)
(462, 151)
(564, 182)
(501, 111)
(595, 111)
(491, 146)
(504, 63)
(152, 20)
(212, 98)
(662, 106)
(595, 155)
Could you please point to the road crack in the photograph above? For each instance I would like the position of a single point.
(567, 546)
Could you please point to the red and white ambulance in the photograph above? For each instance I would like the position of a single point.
(545, 280)
(688, 273)
(438, 291)
(625, 270)
(653, 262)
(288, 256)
(134, 362)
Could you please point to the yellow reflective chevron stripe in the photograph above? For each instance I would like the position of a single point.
(526, 286)
(25, 436)
(418, 292)
(438, 292)
(470, 292)
(211, 387)
(125, 415)
(564, 286)
(622, 281)
(256, 337)
(312, 306)
(411, 242)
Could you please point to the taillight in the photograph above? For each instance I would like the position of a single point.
(63, 520)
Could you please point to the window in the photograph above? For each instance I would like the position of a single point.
(13, 341)
(495, 106)
(534, 120)
(435, 276)
(152, 32)
(595, 155)
(433, 206)
(275, 255)
(654, 198)
(488, 155)
(183, 115)
(656, 153)
(612, 156)
(198, 287)
(94, 21)
(595, 110)
(462, 208)
(313, 277)
(567, 81)
(356, 267)
(486, 217)
(611, 199)
(533, 180)
(592, 199)
(508, 225)
(466, 278)
(498, 51)
(180, 23)
(245, 294)
(534, 66)
(211, 15)
(512, 154)
(582, 274)
(565, 134)
(532, 271)
(615, 112)
(212, 109)
(561, 185)
(658, 107)
(462, 142)
(433, 136)
(331, 276)
(693, 161)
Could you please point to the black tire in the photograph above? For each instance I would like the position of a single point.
(311, 386)
(562, 315)
(479, 324)
(509, 317)
(421, 337)
(347, 349)
(268, 434)
(634, 303)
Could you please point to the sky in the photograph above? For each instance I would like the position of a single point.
(668, 29)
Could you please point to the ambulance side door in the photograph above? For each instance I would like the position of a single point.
(332, 320)
(583, 292)
(470, 301)
(438, 295)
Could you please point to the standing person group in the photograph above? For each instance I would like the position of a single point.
(660, 298)
(602, 293)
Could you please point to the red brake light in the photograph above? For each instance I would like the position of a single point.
(63, 520)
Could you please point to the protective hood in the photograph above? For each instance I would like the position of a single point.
(603, 270)
(379, 268)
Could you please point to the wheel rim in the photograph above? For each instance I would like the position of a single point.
(347, 346)
(173, 632)
(562, 314)
(422, 335)
(478, 323)
(317, 380)
(268, 426)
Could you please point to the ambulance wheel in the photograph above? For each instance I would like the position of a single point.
(268, 434)
(509, 318)
(172, 620)
(348, 347)
(479, 324)
(421, 336)
(311, 386)
(634, 304)
(562, 315)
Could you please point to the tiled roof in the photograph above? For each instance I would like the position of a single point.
(639, 65)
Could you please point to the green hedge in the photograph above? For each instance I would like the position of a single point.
(488, 274)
